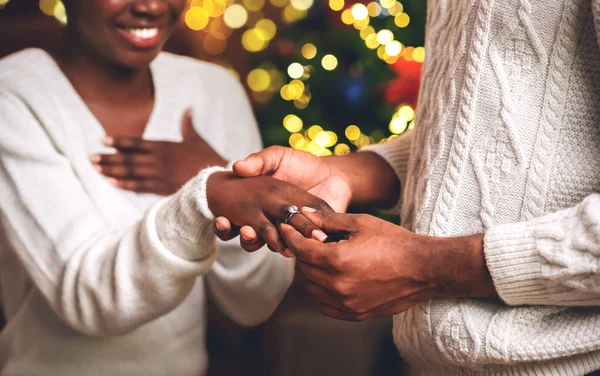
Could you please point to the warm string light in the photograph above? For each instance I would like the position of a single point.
(53, 8)
(3, 3)
(315, 139)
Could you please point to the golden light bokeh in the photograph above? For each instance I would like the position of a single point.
(196, 18)
(352, 132)
(258, 80)
(329, 62)
(302, 4)
(235, 16)
(359, 11)
(336, 4)
(402, 20)
(254, 40)
(295, 70)
(292, 123)
(309, 51)
(385, 36)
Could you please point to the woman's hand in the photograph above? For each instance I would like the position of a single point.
(159, 167)
(380, 269)
(315, 175)
(262, 203)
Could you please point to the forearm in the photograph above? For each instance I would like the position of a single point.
(372, 180)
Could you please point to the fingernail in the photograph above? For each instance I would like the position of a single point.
(308, 209)
(108, 141)
(319, 235)
(95, 158)
(190, 112)
(98, 168)
(220, 226)
(113, 181)
(247, 240)
(287, 254)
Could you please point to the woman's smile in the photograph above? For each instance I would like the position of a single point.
(142, 37)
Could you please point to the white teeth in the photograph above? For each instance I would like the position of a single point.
(143, 33)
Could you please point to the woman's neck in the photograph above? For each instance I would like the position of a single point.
(93, 75)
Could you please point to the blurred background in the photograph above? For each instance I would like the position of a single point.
(324, 76)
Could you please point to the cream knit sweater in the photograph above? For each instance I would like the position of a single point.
(95, 280)
(507, 142)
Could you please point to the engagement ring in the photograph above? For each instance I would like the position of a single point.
(290, 213)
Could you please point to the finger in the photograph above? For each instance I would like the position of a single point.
(306, 250)
(225, 230)
(268, 232)
(331, 222)
(141, 186)
(123, 158)
(323, 295)
(255, 245)
(265, 162)
(129, 171)
(306, 227)
(336, 313)
(131, 143)
(250, 240)
(187, 127)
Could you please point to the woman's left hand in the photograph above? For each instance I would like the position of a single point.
(378, 269)
(159, 167)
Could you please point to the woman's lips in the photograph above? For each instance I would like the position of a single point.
(142, 37)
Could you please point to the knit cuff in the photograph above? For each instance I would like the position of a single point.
(184, 223)
(396, 153)
(201, 180)
(515, 264)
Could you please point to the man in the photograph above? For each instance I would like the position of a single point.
(500, 179)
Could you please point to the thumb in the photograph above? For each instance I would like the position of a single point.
(330, 222)
(187, 127)
(265, 162)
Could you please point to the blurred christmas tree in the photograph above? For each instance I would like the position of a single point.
(350, 76)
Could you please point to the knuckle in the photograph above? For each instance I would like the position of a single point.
(320, 204)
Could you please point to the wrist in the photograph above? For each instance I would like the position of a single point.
(212, 180)
(371, 179)
(457, 268)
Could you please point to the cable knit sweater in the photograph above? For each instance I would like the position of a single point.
(507, 142)
(95, 280)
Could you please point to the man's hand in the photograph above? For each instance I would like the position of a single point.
(159, 167)
(360, 178)
(380, 269)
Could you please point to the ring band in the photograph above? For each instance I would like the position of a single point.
(291, 210)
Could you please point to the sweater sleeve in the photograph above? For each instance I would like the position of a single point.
(99, 280)
(551, 260)
(396, 153)
(247, 287)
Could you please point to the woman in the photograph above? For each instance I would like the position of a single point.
(96, 279)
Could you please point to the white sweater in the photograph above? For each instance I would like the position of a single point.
(99, 281)
(507, 142)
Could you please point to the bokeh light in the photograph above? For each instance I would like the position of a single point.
(258, 80)
(309, 51)
(295, 70)
(235, 16)
(329, 62)
(292, 123)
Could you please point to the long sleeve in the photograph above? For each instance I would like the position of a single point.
(99, 280)
(396, 153)
(551, 260)
(247, 287)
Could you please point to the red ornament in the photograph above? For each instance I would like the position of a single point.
(404, 88)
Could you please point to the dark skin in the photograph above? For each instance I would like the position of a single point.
(370, 267)
(106, 54)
